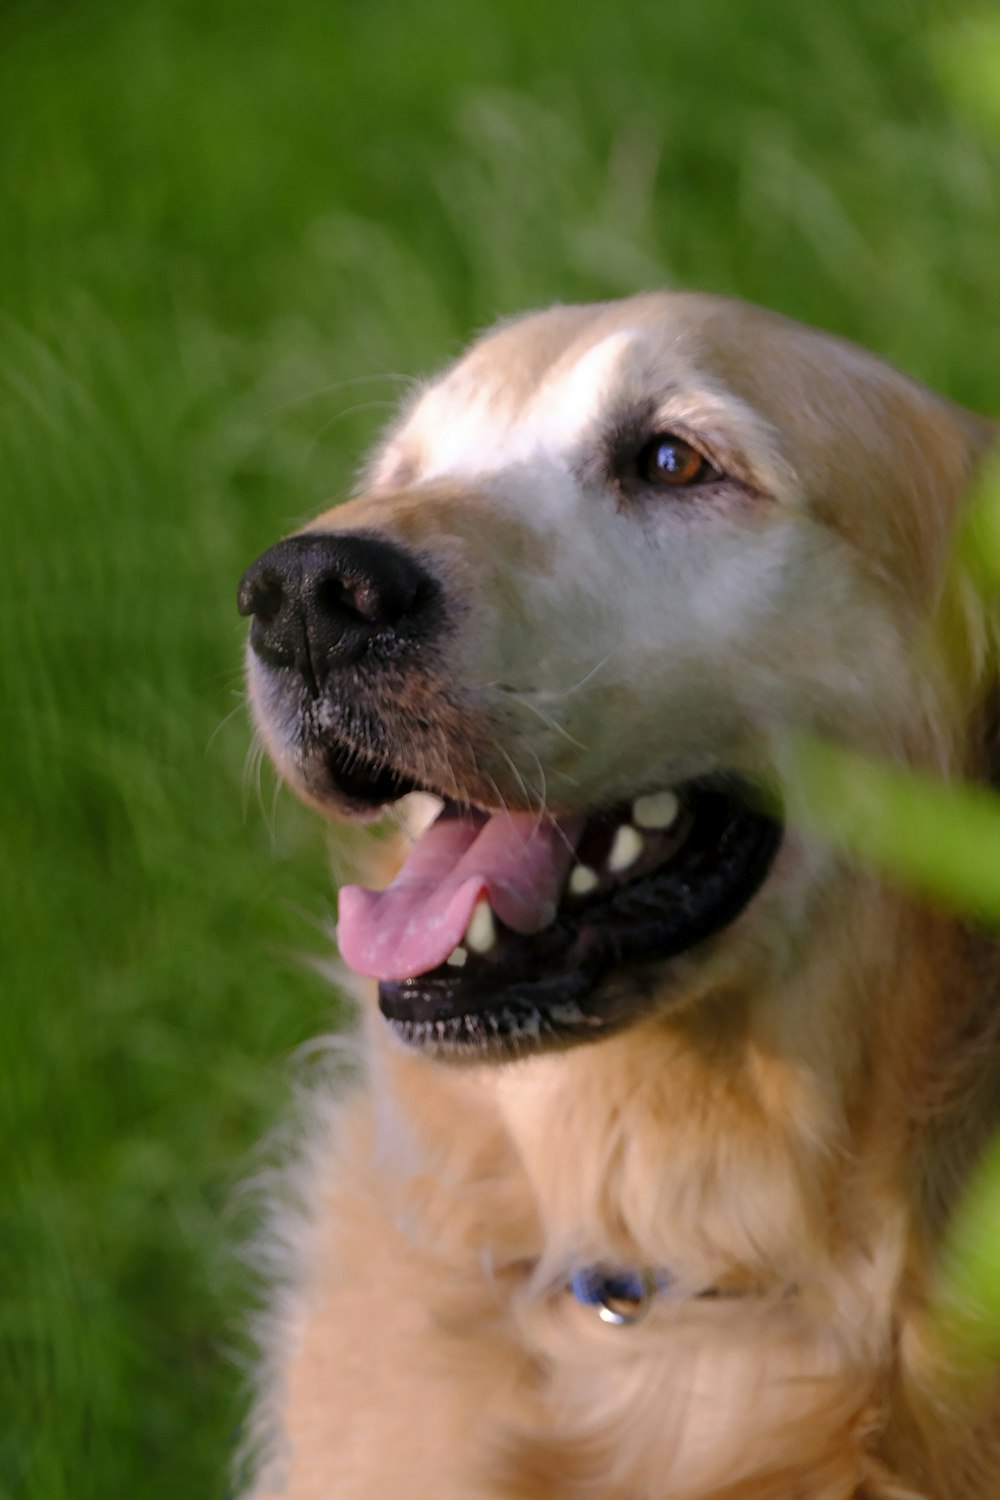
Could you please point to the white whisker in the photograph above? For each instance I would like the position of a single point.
(547, 719)
(334, 387)
(272, 818)
(553, 695)
(226, 719)
(537, 795)
(251, 771)
(340, 416)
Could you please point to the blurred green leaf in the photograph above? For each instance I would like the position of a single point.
(943, 840)
(967, 1305)
(966, 51)
(978, 546)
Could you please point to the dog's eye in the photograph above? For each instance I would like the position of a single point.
(669, 460)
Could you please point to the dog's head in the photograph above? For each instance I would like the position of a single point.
(599, 572)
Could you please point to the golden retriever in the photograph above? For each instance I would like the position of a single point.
(664, 1105)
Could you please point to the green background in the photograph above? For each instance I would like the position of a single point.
(229, 234)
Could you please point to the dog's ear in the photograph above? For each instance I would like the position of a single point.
(941, 451)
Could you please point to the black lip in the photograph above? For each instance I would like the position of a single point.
(559, 986)
(361, 780)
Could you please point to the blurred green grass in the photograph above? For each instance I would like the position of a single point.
(230, 234)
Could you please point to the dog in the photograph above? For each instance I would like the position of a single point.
(665, 1105)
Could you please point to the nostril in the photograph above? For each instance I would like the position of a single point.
(364, 596)
(368, 601)
(268, 599)
(349, 599)
(262, 594)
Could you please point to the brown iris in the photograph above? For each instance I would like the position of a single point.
(669, 460)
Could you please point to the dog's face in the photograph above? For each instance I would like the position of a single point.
(600, 572)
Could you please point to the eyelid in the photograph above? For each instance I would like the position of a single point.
(632, 428)
(624, 454)
(721, 449)
(604, 462)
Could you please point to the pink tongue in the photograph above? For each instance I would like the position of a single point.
(515, 860)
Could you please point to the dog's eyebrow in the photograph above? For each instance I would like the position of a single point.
(616, 437)
(630, 426)
(613, 435)
(731, 435)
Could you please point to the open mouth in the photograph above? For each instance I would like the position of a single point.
(505, 933)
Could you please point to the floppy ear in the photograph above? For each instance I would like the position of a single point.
(940, 450)
(934, 536)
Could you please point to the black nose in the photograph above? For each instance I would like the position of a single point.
(320, 601)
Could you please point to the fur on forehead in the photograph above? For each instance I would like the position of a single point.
(551, 386)
(793, 411)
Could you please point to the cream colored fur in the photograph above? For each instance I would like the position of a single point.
(794, 1126)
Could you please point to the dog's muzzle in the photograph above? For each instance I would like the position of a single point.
(507, 929)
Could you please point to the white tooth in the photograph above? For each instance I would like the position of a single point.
(457, 957)
(583, 880)
(481, 933)
(658, 810)
(626, 848)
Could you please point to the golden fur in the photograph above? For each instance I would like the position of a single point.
(794, 1128)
